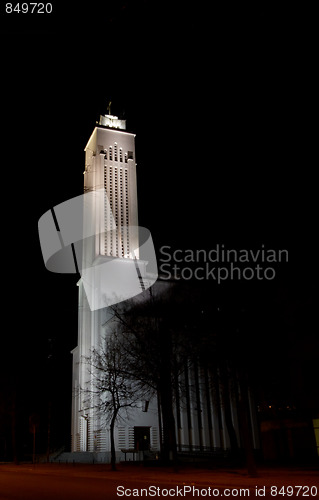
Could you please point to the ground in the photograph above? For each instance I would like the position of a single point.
(86, 482)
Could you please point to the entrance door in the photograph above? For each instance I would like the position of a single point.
(142, 438)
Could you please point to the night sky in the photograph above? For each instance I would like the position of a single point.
(223, 102)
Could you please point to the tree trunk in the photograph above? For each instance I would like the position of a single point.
(226, 395)
(14, 429)
(113, 455)
(243, 413)
(169, 451)
(159, 409)
(49, 431)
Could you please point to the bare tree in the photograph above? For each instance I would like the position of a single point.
(151, 340)
(112, 391)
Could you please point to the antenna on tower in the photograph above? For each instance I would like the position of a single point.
(109, 107)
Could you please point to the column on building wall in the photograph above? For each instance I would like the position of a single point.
(187, 415)
(75, 431)
(254, 421)
(209, 409)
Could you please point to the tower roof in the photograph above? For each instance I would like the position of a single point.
(112, 121)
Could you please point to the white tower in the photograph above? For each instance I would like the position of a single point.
(110, 167)
(110, 164)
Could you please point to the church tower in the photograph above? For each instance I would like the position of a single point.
(110, 165)
(112, 259)
(111, 263)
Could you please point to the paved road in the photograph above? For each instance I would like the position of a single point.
(62, 482)
(38, 483)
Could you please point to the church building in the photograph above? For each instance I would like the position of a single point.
(110, 168)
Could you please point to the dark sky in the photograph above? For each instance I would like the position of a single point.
(223, 104)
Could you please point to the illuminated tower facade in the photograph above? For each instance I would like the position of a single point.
(110, 164)
(110, 217)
